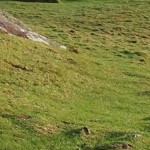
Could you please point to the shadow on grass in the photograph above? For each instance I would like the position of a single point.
(114, 140)
(72, 133)
(144, 93)
(147, 124)
(22, 121)
(111, 140)
(139, 56)
(119, 136)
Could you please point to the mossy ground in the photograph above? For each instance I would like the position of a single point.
(102, 81)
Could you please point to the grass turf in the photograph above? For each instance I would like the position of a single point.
(48, 94)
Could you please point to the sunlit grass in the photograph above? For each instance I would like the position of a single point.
(101, 81)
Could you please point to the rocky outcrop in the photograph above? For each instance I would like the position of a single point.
(11, 25)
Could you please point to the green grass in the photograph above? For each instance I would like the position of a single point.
(48, 94)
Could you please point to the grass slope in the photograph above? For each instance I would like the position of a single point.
(48, 94)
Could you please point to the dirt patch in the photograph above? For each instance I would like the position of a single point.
(45, 129)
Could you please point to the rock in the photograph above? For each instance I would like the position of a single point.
(126, 146)
(63, 47)
(3, 30)
(86, 130)
(136, 134)
(121, 145)
(11, 25)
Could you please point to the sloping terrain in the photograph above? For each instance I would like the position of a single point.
(12, 26)
(102, 81)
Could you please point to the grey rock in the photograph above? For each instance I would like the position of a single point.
(11, 25)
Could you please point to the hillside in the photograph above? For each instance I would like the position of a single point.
(102, 81)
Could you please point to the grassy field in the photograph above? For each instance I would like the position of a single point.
(102, 81)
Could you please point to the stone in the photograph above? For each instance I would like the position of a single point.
(86, 130)
(121, 145)
(136, 134)
(13, 26)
